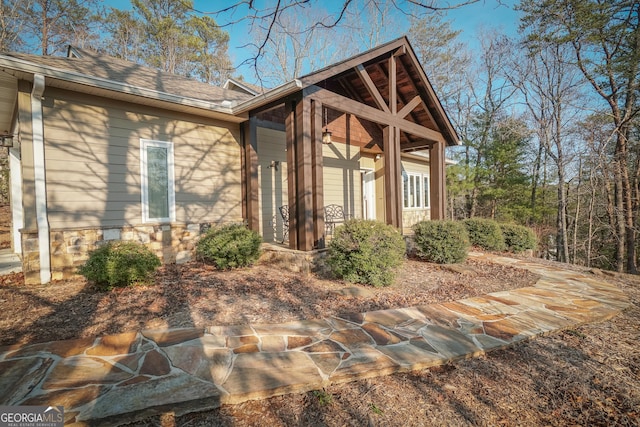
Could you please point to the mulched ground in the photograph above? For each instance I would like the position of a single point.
(584, 376)
(588, 376)
(196, 294)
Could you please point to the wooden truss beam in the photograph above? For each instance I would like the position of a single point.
(346, 105)
(371, 88)
(409, 107)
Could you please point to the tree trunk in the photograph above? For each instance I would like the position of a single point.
(591, 215)
(630, 240)
(534, 184)
(619, 215)
(562, 244)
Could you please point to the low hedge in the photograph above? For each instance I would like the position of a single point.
(442, 242)
(485, 233)
(518, 238)
(119, 264)
(229, 246)
(366, 251)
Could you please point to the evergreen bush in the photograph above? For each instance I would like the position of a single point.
(229, 246)
(118, 264)
(485, 233)
(442, 242)
(366, 251)
(518, 238)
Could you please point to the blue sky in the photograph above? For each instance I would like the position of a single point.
(468, 19)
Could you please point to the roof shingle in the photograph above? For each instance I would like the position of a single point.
(96, 65)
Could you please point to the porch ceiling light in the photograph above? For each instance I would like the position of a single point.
(6, 140)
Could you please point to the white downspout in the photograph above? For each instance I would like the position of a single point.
(39, 173)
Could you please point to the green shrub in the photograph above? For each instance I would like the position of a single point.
(485, 233)
(229, 246)
(443, 242)
(518, 238)
(366, 251)
(120, 264)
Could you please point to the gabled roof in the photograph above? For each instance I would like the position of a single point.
(91, 72)
(347, 78)
(244, 87)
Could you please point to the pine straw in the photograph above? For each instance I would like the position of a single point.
(588, 376)
(585, 376)
(197, 295)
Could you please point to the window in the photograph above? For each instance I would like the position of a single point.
(426, 199)
(415, 190)
(157, 183)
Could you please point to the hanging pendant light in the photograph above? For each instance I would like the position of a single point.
(326, 134)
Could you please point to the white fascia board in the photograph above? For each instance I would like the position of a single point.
(72, 76)
(274, 94)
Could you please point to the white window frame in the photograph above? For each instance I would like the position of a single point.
(144, 179)
(418, 196)
(426, 191)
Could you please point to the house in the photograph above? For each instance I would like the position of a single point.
(105, 149)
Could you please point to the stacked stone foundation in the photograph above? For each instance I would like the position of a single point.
(295, 261)
(70, 248)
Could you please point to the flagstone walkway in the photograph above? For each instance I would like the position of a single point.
(120, 378)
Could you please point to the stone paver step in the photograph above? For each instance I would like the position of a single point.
(119, 378)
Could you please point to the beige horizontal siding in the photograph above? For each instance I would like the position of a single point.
(342, 181)
(92, 154)
(273, 184)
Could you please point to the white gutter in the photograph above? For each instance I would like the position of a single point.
(99, 82)
(272, 95)
(225, 107)
(40, 176)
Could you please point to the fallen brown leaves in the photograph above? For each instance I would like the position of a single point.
(584, 376)
(197, 295)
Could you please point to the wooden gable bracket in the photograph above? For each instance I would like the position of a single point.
(371, 88)
(347, 105)
(410, 106)
(402, 50)
(415, 88)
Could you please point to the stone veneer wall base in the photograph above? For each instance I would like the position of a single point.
(295, 261)
(172, 243)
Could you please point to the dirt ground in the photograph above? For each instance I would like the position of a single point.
(584, 376)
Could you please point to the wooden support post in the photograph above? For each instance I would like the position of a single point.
(391, 157)
(304, 175)
(250, 205)
(437, 181)
(317, 173)
(397, 202)
(290, 137)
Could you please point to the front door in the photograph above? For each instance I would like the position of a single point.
(369, 194)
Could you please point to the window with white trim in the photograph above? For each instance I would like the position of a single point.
(425, 192)
(157, 181)
(415, 190)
